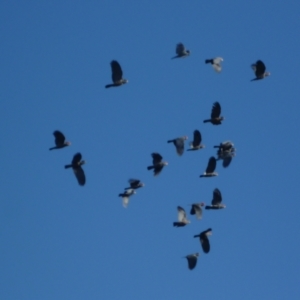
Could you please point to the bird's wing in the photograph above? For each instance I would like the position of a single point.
(157, 158)
(125, 201)
(226, 161)
(197, 138)
(192, 261)
(181, 214)
(76, 158)
(59, 137)
(211, 165)
(216, 110)
(217, 64)
(179, 144)
(217, 197)
(158, 169)
(198, 211)
(79, 173)
(180, 48)
(117, 73)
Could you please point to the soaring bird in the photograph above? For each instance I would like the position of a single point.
(215, 118)
(134, 184)
(216, 63)
(182, 220)
(196, 143)
(60, 140)
(197, 210)
(226, 156)
(157, 162)
(210, 170)
(117, 75)
(76, 166)
(126, 195)
(179, 144)
(204, 239)
(216, 201)
(259, 69)
(181, 51)
(192, 260)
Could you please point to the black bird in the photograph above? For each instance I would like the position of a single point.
(216, 63)
(117, 75)
(204, 239)
(182, 219)
(210, 170)
(60, 140)
(216, 201)
(259, 69)
(126, 195)
(196, 144)
(181, 51)
(179, 144)
(157, 162)
(197, 210)
(192, 260)
(76, 166)
(215, 118)
(134, 184)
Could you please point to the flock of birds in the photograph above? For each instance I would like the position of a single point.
(225, 152)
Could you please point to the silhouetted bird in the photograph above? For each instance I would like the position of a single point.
(259, 70)
(181, 51)
(76, 166)
(135, 184)
(215, 118)
(197, 210)
(126, 195)
(216, 201)
(210, 170)
(196, 144)
(204, 239)
(60, 140)
(179, 144)
(182, 220)
(117, 75)
(192, 260)
(216, 63)
(157, 162)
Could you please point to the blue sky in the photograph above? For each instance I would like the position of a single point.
(63, 241)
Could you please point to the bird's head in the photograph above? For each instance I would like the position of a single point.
(185, 137)
(82, 162)
(67, 143)
(165, 163)
(267, 74)
(125, 81)
(202, 204)
(188, 52)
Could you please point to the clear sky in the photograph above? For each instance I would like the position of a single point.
(63, 241)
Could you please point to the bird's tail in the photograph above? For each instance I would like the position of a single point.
(68, 166)
(197, 235)
(52, 148)
(109, 85)
(207, 207)
(176, 224)
(170, 141)
(150, 167)
(207, 61)
(206, 121)
(174, 57)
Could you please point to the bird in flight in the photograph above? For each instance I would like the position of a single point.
(204, 241)
(192, 260)
(179, 144)
(181, 51)
(196, 143)
(182, 219)
(210, 169)
(259, 69)
(216, 201)
(157, 163)
(126, 195)
(215, 118)
(77, 169)
(135, 184)
(216, 63)
(60, 140)
(117, 75)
